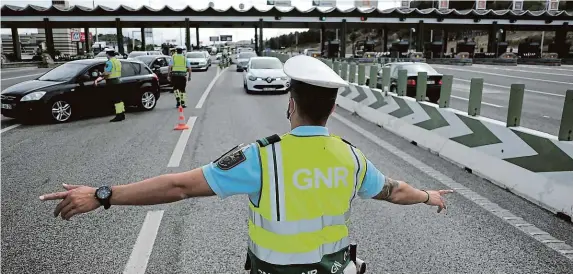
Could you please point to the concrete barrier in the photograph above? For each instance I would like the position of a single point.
(540, 61)
(495, 61)
(20, 64)
(531, 164)
(450, 61)
(534, 165)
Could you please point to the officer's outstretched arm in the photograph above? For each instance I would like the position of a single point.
(162, 189)
(399, 192)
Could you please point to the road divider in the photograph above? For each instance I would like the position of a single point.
(534, 165)
(9, 128)
(179, 149)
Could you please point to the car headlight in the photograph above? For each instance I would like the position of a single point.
(34, 96)
(252, 78)
(284, 78)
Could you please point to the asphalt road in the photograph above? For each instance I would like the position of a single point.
(545, 89)
(208, 235)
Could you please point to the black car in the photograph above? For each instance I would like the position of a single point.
(159, 64)
(434, 81)
(68, 90)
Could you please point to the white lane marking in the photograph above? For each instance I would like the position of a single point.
(499, 86)
(9, 128)
(181, 144)
(208, 90)
(23, 76)
(528, 71)
(137, 263)
(548, 68)
(504, 214)
(508, 76)
(484, 103)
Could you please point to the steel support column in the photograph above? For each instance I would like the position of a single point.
(49, 37)
(420, 38)
(560, 37)
(143, 39)
(322, 39)
(385, 39)
(187, 34)
(197, 36)
(343, 39)
(256, 40)
(444, 42)
(87, 42)
(16, 44)
(261, 43)
(119, 35)
(491, 37)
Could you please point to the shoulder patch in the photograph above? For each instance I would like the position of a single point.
(268, 140)
(231, 160)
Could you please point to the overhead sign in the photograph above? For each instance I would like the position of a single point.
(366, 3)
(76, 36)
(226, 38)
(324, 3)
(481, 4)
(213, 38)
(148, 32)
(517, 4)
(279, 3)
(552, 4)
(80, 36)
(405, 4)
(444, 4)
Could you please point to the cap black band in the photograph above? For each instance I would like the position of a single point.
(299, 86)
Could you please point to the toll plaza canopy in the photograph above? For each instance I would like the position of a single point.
(33, 16)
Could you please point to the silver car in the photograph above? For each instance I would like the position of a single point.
(243, 59)
(197, 60)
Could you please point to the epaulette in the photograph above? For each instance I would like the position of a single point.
(263, 142)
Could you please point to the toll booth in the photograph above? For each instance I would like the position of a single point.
(529, 50)
(433, 49)
(554, 48)
(501, 48)
(332, 49)
(466, 46)
(398, 48)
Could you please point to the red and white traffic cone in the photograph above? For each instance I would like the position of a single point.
(181, 125)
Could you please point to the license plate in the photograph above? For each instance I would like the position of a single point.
(6, 106)
(268, 89)
(430, 82)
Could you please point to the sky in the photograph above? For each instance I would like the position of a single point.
(161, 35)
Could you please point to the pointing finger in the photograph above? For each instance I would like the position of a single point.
(448, 191)
(54, 196)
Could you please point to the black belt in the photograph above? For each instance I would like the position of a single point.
(334, 263)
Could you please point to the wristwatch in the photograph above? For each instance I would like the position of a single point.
(103, 195)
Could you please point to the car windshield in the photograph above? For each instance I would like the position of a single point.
(195, 55)
(266, 64)
(63, 73)
(415, 68)
(246, 55)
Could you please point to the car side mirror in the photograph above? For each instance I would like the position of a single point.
(156, 66)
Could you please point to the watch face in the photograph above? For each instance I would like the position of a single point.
(103, 192)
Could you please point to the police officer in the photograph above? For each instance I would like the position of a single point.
(112, 74)
(179, 66)
(300, 185)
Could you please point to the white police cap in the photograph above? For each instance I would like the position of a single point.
(312, 71)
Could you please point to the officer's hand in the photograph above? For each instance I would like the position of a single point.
(437, 199)
(75, 200)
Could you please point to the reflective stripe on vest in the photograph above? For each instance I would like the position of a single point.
(179, 63)
(292, 224)
(115, 68)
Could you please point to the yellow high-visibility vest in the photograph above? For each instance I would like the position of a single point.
(179, 63)
(115, 68)
(308, 184)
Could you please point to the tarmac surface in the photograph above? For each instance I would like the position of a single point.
(208, 235)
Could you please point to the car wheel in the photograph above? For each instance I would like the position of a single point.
(367, 82)
(60, 110)
(148, 100)
(393, 89)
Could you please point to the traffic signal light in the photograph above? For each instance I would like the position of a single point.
(322, 18)
(363, 18)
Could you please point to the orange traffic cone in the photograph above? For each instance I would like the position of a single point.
(181, 125)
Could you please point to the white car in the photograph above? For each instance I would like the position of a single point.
(265, 74)
(197, 60)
